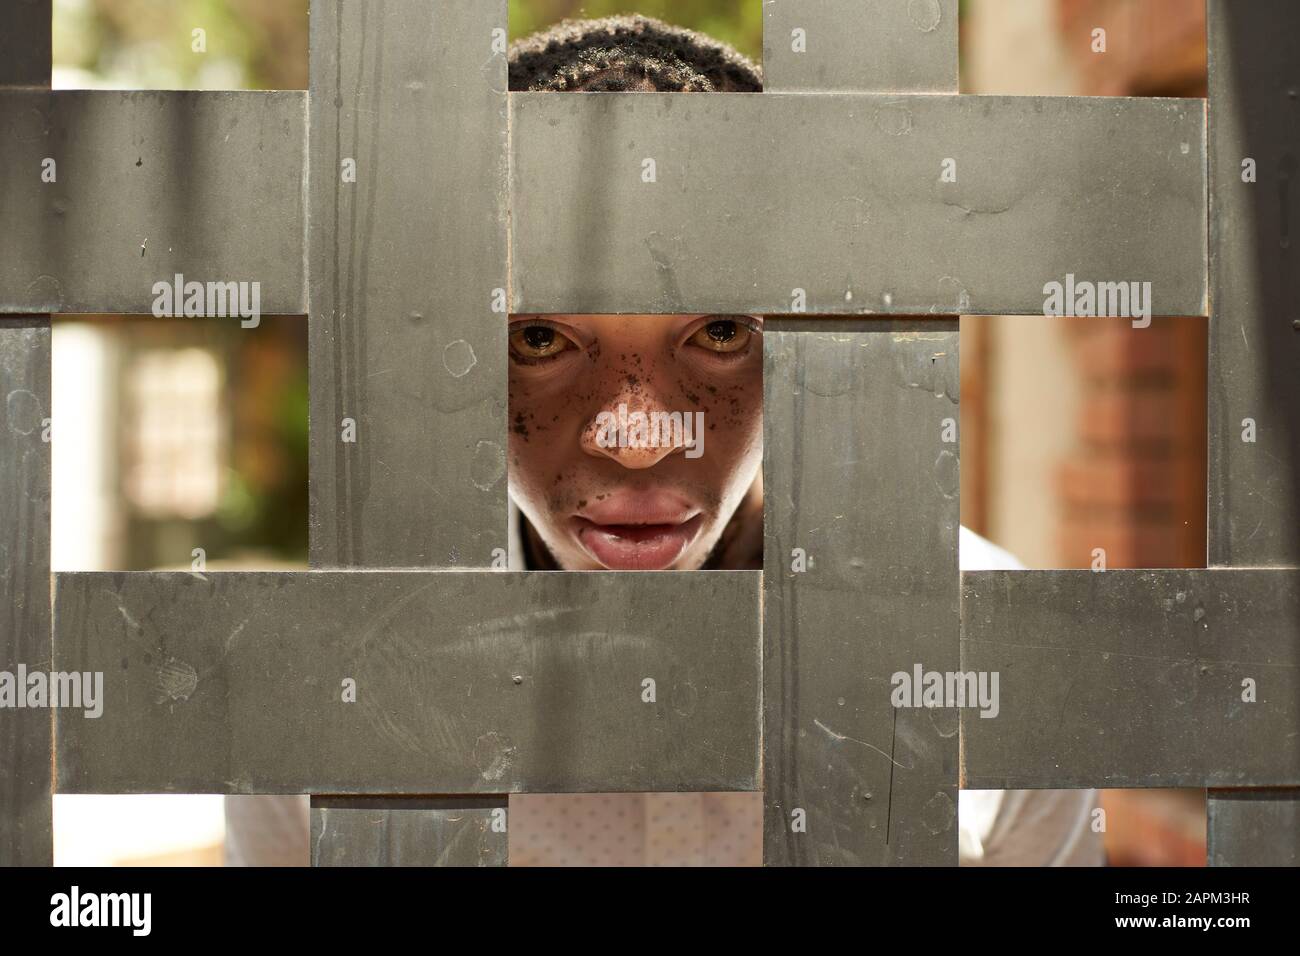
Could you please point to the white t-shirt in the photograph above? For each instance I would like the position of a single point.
(1021, 827)
(995, 827)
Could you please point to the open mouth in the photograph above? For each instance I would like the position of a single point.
(628, 546)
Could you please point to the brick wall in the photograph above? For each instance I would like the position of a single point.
(1136, 485)
(1153, 47)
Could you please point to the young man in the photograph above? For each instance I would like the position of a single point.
(636, 441)
(589, 498)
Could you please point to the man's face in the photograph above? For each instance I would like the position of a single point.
(598, 492)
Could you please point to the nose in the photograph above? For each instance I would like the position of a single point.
(629, 433)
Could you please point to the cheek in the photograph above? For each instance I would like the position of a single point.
(544, 453)
(737, 449)
(733, 408)
(530, 420)
(537, 410)
(733, 432)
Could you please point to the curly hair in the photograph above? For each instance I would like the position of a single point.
(628, 53)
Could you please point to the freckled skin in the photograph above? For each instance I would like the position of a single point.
(649, 363)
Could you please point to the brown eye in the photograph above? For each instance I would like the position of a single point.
(538, 342)
(722, 335)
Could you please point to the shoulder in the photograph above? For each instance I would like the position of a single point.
(980, 554)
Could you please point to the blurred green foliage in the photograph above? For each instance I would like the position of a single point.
(262, 44)
(149, 44)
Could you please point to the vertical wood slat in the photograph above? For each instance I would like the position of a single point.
(25, 44)
(406, 265)
(875, 504)
(1255, 284)
(857, 476)
(1253, 828)
(26, 736)
(1254, 370)
(879, 46)
(440, 831)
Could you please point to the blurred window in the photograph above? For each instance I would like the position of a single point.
(174, 426)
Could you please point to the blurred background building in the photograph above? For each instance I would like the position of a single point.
(1087, 433)
(184, 434)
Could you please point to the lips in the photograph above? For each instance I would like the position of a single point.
(629, 531)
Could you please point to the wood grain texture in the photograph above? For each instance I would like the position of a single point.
(857, 475)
